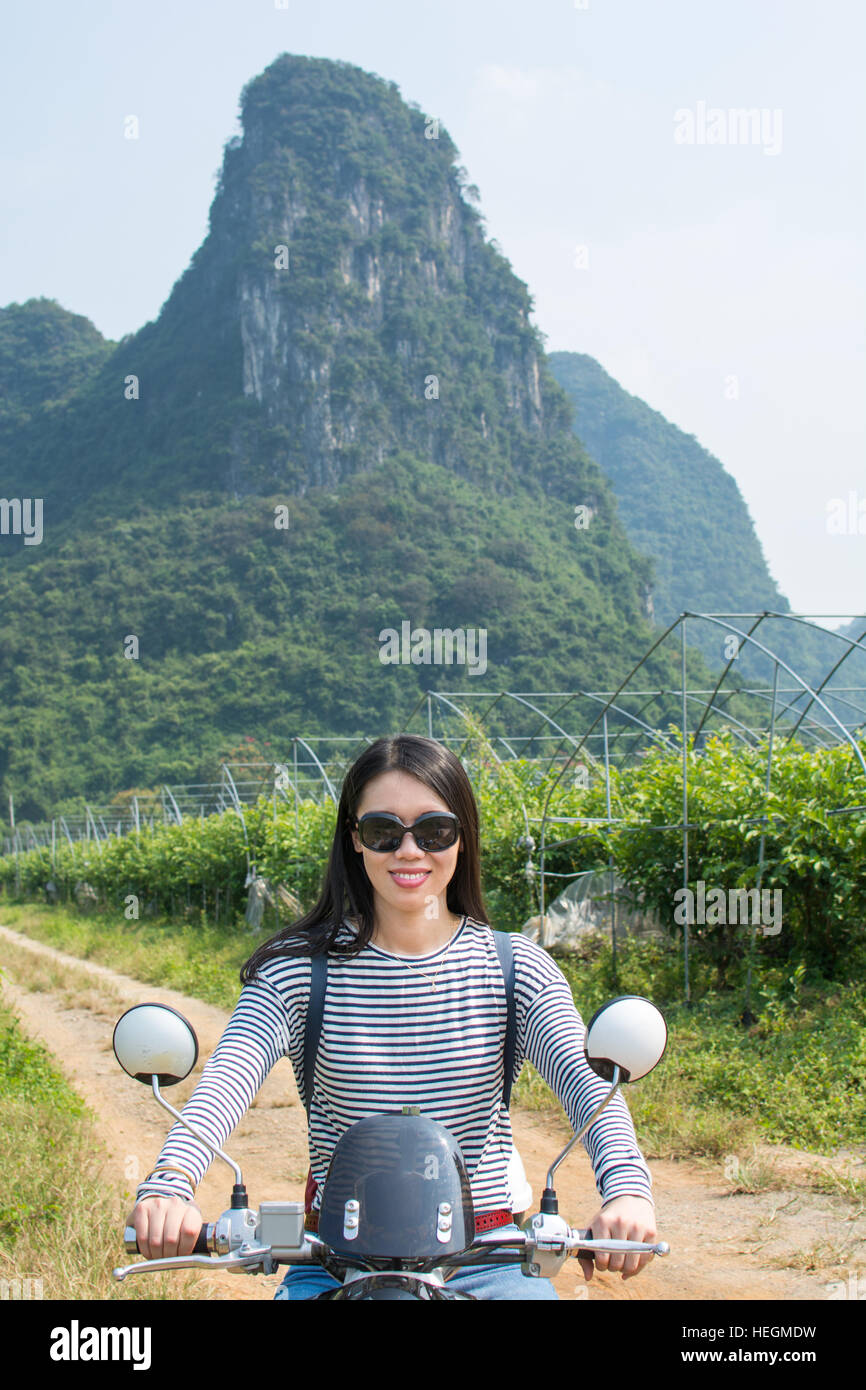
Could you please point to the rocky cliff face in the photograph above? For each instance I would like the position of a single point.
(344, 307)
(372, 313)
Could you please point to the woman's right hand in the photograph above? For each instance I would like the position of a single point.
(165, 1226)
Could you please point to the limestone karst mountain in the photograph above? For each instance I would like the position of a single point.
(342, 420)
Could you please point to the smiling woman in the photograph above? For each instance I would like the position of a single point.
(414, 1014)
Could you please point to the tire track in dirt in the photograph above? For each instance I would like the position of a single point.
(722, 1246)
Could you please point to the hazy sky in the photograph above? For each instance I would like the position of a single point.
(715, 269)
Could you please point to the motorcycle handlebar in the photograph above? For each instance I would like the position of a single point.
(204, 1246)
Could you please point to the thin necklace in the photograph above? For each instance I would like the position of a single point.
(433, 978)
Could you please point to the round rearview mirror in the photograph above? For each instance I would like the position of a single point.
(629, 1033)
(154, 1040)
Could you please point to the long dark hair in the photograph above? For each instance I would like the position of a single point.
(347, 889)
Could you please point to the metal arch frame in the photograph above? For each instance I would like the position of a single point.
(502, 739)
(225, 774)
(791, 672)
(727, 715)
(351, 756)
(167, 791)
(588, 695)
(813, 726)
(461, 714)
(655, 734)
(777, 662)
(653, 696)
(647, 654)
(91, 822)
(767, 696)
(504, 694)
(548, 718)
(723, 677)
(329, 787)
(545, 718)
(481, 718)
(853, 643)
(433, 694)
(806, 689)
(543, 715)
(632, 718)
(788, 617)
(840, 700)
(429, 695)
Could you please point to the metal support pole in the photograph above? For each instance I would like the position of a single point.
(15, 841)
(541, 854)
(685, 817)
(295, 756)
(610, 857)
(92, 822)
(747, 1014)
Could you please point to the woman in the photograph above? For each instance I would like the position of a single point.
(414, 1014)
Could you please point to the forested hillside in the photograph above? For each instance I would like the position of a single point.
(681, 507)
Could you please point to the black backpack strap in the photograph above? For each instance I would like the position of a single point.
(505, 952)
(313, 1025)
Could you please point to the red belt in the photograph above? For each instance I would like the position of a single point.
(484, 1221)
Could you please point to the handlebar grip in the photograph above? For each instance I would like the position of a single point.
(200, 1248)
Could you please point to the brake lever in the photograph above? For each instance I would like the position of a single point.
(235, 1262)
(635, 1247)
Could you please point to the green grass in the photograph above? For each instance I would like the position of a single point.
(61, 1224)
(27, 1076)
(797, 1076)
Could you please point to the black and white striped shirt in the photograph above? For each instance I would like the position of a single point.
(388, 1039)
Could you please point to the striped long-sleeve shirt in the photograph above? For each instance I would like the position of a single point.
(389, 1039)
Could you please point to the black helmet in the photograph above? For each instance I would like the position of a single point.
(397, 1187)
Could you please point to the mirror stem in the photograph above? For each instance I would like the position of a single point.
(239, 1191)
(549, 1203)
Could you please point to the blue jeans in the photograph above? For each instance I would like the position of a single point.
(484, 1281)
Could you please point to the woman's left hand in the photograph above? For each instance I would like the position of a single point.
(625, 1218)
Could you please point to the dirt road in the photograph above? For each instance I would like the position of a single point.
(787, 1243)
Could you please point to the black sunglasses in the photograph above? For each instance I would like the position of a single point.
(433, 832)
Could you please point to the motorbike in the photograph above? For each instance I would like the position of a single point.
(396, 1219)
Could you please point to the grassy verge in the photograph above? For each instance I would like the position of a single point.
(59, 1221)
(797, 1077)
(201, 960)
